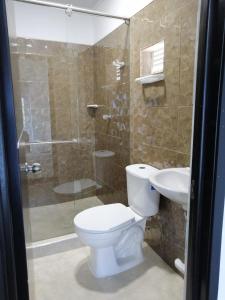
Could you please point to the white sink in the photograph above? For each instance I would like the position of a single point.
(173, 184)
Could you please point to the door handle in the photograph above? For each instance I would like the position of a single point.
(34, 168)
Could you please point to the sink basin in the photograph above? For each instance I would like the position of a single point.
(173, 184)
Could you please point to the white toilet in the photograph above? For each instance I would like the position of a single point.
(115, 232)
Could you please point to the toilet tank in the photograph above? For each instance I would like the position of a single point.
(142, 197)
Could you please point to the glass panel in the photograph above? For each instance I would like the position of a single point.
(77, 146)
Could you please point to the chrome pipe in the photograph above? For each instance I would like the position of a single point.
(75, 8)
(53, 142)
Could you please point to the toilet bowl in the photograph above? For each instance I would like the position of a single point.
(115, 232)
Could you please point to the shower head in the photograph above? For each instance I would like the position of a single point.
(118, 64)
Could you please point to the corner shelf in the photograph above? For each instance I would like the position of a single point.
(94, 106)
(150, 78)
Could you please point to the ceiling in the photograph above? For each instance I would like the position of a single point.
(81, 3)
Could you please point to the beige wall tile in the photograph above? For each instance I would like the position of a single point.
(112, 134)
(161, 113)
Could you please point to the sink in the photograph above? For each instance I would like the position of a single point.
(173, 184)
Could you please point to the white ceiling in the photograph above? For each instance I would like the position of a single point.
(117, 7)
(81, 3)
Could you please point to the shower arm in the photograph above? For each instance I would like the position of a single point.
(75, 8)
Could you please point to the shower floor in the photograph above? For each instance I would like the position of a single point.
(57, 219)
(66, 276)
(76, 186)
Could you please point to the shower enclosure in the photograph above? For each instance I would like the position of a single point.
(72, 106)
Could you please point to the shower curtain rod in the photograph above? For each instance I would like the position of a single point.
(74, 8)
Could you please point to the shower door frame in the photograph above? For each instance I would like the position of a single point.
(208, 159)
(200, 283)
(13, 262)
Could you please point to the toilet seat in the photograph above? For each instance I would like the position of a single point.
(104, 218)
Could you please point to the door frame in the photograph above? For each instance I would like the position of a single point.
(208, 159)
(14, 279)
(208, 174)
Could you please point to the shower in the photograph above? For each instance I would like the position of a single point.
(59, 86)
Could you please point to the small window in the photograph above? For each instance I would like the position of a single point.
(152, 59)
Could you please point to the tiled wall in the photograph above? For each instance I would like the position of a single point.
(112, 95)
(53, 84)
(161, 113)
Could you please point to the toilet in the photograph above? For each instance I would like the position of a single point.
(115, 232)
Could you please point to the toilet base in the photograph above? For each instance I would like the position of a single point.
(104, 262)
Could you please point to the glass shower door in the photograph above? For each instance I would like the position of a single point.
(56, 80)
(55, 130)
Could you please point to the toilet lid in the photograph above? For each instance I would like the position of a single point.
(104, 218)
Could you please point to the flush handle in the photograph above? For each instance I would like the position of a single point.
(34, 168)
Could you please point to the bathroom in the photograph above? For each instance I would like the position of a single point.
(103, 91)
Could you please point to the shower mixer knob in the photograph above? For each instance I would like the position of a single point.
(34, 168)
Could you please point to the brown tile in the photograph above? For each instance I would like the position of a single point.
(161, 113)
(184, 129)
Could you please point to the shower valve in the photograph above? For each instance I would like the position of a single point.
(34, 168)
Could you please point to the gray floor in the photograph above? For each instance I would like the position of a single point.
(65, 276)
(50, 221)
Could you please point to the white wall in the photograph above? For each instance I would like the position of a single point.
(127, 8)
(46, 23)
(122, 7)
(11, 18)
(221, 293)
(39, 22)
